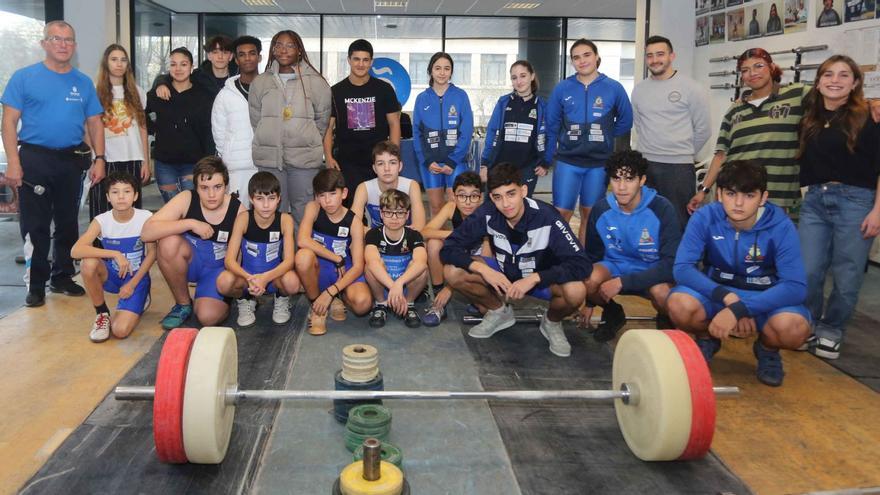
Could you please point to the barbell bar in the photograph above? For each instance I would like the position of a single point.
(661, 389)
(537, 317)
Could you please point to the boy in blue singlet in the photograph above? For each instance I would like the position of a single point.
(264, 238)
(387, 165)
(192, 230)
(330, 260)
(122, 266)
(396, 262)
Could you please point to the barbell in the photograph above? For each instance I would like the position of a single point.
(538, 315)
(661, 389)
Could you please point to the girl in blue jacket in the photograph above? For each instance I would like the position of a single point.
(516, 132)
(585, 113)
(443, 126)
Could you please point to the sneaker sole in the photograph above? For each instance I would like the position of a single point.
(65, 292)
(825, 354)
(36, 305)
(100, 340)
(281, 322)
(504, 326)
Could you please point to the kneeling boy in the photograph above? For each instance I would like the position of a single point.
(122, 266)
(396, 262)
(387, 165)
(753, 279)
(533, 253)
(330, 260)
(467, 197)
(632, 236)
(193, 232)
(264, 238)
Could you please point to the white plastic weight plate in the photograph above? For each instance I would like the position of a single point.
(207, 418)
(658, 426)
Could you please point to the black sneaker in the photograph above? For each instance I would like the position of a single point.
(67, 287)
(613, 319)
(411, 319)
(378, 316)
(35, 298)
(664, 323)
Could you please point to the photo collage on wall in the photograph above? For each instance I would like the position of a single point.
(748, 19)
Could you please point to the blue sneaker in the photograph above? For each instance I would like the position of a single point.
(709, 347)
(178, 314)
(433, 316)
(769, 365)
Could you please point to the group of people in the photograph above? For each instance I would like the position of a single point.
(276, 183)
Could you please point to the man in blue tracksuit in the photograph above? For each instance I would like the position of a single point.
(533, 253)
(753, 278)
(584, 114)
(632, 236)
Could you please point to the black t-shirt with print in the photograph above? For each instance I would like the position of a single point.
(361, 121)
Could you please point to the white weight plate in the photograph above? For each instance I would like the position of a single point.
(658, 427)
(207, 418)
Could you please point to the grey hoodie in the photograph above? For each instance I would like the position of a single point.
(298, 141)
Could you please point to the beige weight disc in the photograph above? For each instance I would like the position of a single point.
(360, 363)
(657, 428)
(207, 418)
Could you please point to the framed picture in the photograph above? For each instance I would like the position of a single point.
(735, 24)
(828, 13)
(716, 35)
(774, 21)
(701, 35)
(756, 20)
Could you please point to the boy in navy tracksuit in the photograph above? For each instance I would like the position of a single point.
(534, 253)
(632, 236)
(753, 278)
(585, 113)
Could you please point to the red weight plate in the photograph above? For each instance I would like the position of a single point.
(168, 400)
(702, 396)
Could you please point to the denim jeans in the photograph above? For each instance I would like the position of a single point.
(830, 221)
(178, 174)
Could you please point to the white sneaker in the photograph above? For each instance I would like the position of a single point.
(101, 328)
(494, 321)
(246, 308)
(552, 331)
(281, 310)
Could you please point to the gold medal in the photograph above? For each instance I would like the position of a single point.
(287, 113)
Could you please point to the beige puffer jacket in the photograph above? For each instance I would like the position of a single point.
(297, 142)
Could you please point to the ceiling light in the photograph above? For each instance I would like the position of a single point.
(390, 3)
(521, 5)
(260, 3)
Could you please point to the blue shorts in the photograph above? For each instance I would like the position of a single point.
(137, 301)
(572, 181)
(542, 293)
(205, 278)
(327, 274)
(433, 181)
(712, 308)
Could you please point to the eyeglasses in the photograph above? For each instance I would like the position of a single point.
(394, 213)
(469, 198)
(59, 40)
(755, 68)
(286, 46)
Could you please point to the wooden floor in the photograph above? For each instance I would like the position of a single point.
(816, 433)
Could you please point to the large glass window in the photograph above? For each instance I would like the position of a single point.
(264, 27)
(408, 40)
(152, 42)
(461, 76)
(615, 39)
(493, 44)
(21, 27)
(185, 32)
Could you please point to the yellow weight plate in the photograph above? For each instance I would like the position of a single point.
(207, 418)
(657, 428)
(352, 482)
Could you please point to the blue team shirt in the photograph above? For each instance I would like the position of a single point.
(54, 107)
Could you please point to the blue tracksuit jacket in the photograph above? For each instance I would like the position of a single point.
(642, 243)
(583, 122)
(442, 127)
(765, 259)
(496, 128)
(541, 242)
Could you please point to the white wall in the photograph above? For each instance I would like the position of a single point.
(95, 25)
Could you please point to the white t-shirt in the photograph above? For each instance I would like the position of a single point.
(122, 135)
(124, 237)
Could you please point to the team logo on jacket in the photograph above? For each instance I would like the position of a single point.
(674, 97)
(597, 103)
(754, 255)
(533, 114)
(645, 238)
(452, 111)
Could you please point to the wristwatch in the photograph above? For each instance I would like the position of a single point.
(99, 157)
(703, 189)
